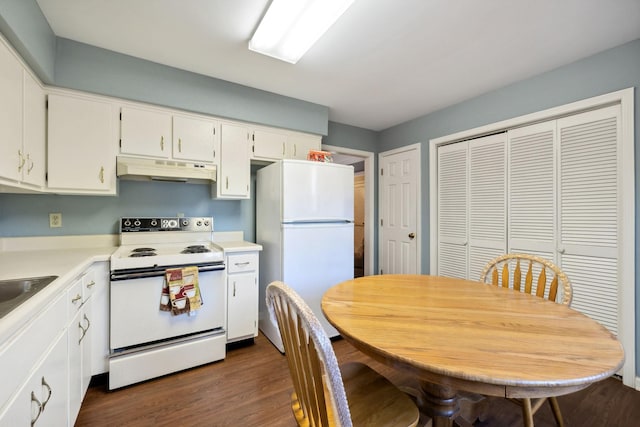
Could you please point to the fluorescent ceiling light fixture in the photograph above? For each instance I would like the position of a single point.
(291, 27)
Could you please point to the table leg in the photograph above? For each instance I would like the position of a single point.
(439, 402)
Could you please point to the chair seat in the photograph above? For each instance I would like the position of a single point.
(373, 400)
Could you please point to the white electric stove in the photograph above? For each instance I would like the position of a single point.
(145, 341)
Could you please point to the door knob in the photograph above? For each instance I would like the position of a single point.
(412, 235)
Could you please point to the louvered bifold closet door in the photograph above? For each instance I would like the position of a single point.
(589, 169)
(532, 192)
(452, 210)
(487, 201)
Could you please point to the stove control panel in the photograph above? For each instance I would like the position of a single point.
(132, 225)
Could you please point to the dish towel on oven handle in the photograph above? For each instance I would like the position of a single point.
(181, 291)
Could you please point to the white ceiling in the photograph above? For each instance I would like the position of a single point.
(384, 62)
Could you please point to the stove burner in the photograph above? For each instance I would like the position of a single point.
(138, 254)
(195, 249)
(143, 250)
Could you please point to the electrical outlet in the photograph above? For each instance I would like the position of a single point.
(55, 220)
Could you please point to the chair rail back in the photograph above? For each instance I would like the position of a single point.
(498, 272)
(314, 368)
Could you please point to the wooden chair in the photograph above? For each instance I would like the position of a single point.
(507, 271)
(325, 394)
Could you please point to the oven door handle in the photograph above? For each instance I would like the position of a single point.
(158, 272)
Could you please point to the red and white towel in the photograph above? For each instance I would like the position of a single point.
(181, 292)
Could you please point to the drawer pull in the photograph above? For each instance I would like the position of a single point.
(242, 264)
(35, 399)
(91, 284)
(76, 298)
(45, 384)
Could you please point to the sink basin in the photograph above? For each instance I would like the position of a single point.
(16, 291)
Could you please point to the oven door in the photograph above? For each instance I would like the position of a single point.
(136, 318)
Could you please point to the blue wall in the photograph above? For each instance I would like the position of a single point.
(26, 28)
(92, 69)
(28, 214)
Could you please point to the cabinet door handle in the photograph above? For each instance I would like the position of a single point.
(227, 183)
(35, 399)
(102, 174)
(88, 322)
(295, 149)
(30, 164)
(283, 148)
(45, 384)
(21, 160)
(162, 143)
(241, 264)
(91, 284)
(82, 334)
(180, 145)
(234, 289)
(77, 298)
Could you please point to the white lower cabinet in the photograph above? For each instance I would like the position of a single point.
(99, 318)
(47, 366)
(242, 296)
(42, 400)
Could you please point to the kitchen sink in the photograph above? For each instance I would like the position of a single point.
(16, 291)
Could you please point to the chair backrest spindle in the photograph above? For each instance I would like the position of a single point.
(499, 268)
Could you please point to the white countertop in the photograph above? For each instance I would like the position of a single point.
(67, 257)
(66, 263)
(238, 246)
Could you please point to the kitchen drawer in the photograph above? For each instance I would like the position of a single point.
(19, 354)
(243, 262)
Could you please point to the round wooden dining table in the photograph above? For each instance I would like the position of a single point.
(458, 335)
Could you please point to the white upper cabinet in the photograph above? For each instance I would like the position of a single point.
(271, 145)
(234, 174)
(194, 139)
(145, 132)
(268, 145)
(298, 145)
(34, 168)
(12, 158)
(82, 144)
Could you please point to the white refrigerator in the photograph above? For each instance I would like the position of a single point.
(304, 222)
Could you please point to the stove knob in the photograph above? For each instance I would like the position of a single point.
(154, 222)
(199, 223)
(206, 223)
(127, 223)
(185, 222)
(137, 223)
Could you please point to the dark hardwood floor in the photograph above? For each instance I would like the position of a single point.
(251, 388)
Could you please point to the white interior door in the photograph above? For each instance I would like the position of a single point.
(453, 208)
(589, 168)
(399, 207)
(532, 184)
(487, 201)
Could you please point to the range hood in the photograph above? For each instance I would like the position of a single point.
(164, 170)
